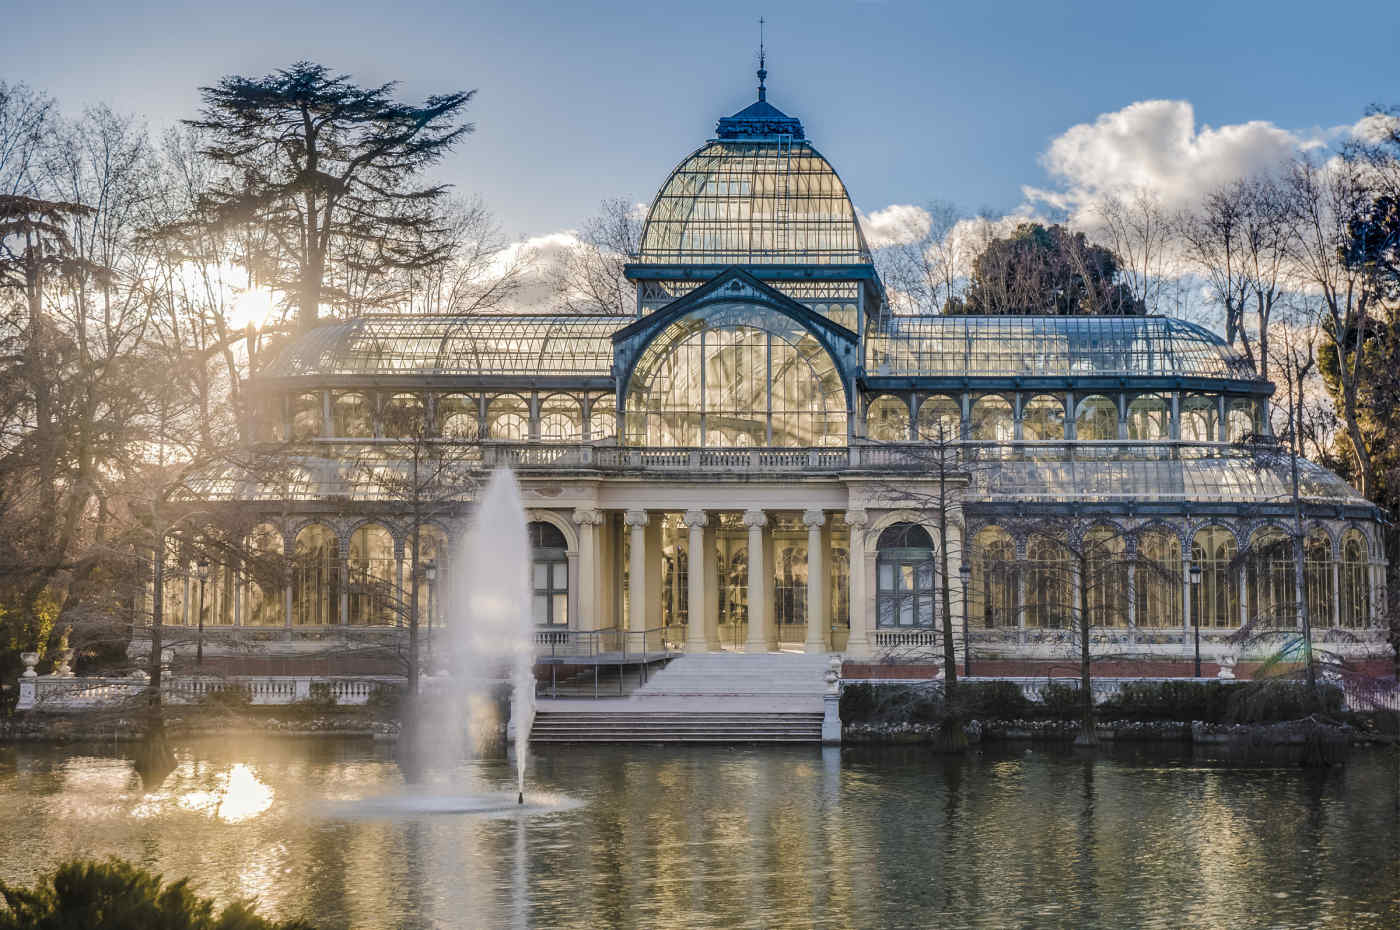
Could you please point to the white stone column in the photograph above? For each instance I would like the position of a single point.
(760, 610)
(637, 570)
(858, 644)
(696, 631)
(818, 613)
(710, 569)
(588, 522)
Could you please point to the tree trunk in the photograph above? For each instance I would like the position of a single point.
(1088, 736)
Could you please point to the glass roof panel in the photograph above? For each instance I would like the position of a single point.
(766, 201)
(1048, 346)
(484, 344)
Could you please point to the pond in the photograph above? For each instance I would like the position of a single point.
(674, 837)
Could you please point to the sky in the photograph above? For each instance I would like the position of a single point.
(990, 106)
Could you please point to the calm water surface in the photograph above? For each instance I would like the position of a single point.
(666, 837)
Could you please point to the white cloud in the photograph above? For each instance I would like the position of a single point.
(1156, 146)
(897, 224)
(1375, 127)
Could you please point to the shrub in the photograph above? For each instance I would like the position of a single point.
(321, 696)
(1205, 701)
(115, 895)
(231, 697)
(1275, 701)
(1061, 701)
(991, 700)
(857, 702)
(386, 699)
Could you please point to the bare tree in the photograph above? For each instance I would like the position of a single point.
(591, 279)
(1138, 228)
(928, 266)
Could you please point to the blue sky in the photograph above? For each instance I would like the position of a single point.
(910, 101)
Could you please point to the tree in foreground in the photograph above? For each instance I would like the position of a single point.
(115, 895)
(331, 170)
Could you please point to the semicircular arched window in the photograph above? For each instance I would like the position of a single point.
(738, 376)
(904, 577)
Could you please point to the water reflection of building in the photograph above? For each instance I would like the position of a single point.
(748, 460)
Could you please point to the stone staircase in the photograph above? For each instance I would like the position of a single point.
(704, 698)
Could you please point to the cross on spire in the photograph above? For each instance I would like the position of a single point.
(762, 61)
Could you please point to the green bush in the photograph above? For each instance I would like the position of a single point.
(1061, 701)
(991, 700)
(1219, 702)
(321, 696)
(115, 895)
(1276, 701)
(386, 699)
(231, 697)
(858, 702)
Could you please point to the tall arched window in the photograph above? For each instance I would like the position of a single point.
(1043, 418)
(373, 578)
(561, 419)
(991, 597)
(352, 416)
(508, 417)
(432, 551)
(904, 577)
(940, 419)
(403, 416)
(992, 419)
(1269, 573)
(1317, 578)
(549, 574)
(457, 417)
(1106, 588)
(887, 419)
(1240, 419)
(1157, 580)
(316, 577)
(602, 422)
(1354, 572)
(1149, 417)
(1199, 415)
(266, 574)
(1096, 418)
(306, 416)
(736, 375)
(1049, 583)
(1216, 600)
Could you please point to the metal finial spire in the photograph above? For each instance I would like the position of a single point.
(762, 71)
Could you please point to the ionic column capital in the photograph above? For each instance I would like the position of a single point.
(814, 518)
(635, 518)
(695, 518)
(856, 518)
(588, 517)
(754, 519)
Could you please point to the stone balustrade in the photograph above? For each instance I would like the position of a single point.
(54, 692)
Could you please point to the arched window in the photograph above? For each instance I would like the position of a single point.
(887, 419)
(1106, 588)
(1240, 419)
(561, 419)
(306, 416)
(1198, 418)
(1043, 418)
(1269, 573)
(1157, 580)
(432, 551)
(904, 577)
(316, 577)
(1149, 417)
(992, 419)
(940, 419)
(351, 416)
(373, 578)
(549, 574)
(1355, 596)
(266, 574)
(1216, 600)
(736, 375)
(403, 416)
(1096, 418)
(602, 420)
(508, 417)
(991, 600)
(1049, 583)
(1317, 578)
(457, 417)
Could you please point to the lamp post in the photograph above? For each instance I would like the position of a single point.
(430, 576)
(965, 573)
(201, 571)
(1195, 571)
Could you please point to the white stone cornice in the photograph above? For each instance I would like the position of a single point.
(755, 518)
(588, 517)
(695, 518)
(814, 517)
(635, 518)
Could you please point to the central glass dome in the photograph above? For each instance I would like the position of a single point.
(752, 201)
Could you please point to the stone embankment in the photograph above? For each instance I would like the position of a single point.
(1290, 733)
(118, 727)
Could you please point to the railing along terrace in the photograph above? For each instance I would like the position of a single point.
(603, 645)
(79, 692)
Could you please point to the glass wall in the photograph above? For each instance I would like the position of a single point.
(887, 419)
(940, 419)
(904, 577)
(372, 578)
(1216, 600)
(315, 577)
(1157, 580)
(992, 594)
(1043, 418)
(1354, 574)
